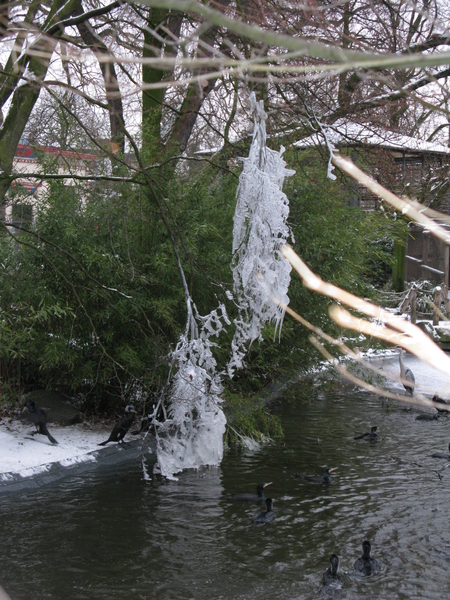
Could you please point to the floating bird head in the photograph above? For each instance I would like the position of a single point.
(334, 561)
(269, 504)
(366, 549)
(130, 409)
(260, 488)
(373, 430)
(29, 406)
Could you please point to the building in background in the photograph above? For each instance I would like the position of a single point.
(30, 163)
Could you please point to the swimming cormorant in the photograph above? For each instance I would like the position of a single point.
(441, 454)
(406, 374)
(121, 428)
(258, 497)
(324, 478)
(36, 415)
(428, 417)
(372, 436)
(365, 565)
(267, 516)
(331, 576)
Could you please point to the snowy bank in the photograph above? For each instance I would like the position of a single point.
(29, 462)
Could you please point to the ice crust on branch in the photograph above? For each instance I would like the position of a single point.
(192, 434)
(259, 230)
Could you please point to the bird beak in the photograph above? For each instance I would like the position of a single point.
(25, 409)
(333, 469)
(266, 484)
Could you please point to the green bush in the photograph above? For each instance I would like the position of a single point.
(91, 296)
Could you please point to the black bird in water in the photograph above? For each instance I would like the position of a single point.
(36, 415)
(406, 374)
(441, 454)
(121, 428)
(324, 478)
(365, 565)
(258, 497)
(438, 400)
(371, 437)
(427, 417)
(331, 577)
(267, 516)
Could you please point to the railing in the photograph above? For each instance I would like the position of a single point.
(416, 298)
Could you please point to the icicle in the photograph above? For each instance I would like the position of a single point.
(259, 229)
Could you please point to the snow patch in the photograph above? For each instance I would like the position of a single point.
(27, 456)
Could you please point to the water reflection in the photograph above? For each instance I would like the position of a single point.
(114, 535)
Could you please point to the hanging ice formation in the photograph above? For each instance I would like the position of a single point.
(259, 229)
(192, 433)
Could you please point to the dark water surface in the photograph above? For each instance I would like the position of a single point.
(114, 535)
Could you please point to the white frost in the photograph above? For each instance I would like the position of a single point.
(192, 434)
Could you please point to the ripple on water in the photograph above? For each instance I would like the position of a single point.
(113, 534)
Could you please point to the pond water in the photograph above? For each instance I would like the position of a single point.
(111, 534)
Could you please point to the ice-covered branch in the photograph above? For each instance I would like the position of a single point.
(260, 228)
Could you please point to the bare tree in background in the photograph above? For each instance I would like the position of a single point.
(170, 77)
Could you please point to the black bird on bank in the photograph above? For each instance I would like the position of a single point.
(427, 417)
(371, 437)
(324, 478)
(438, 400)
(258, 497)
(441, 454)
(365, 565)
(267, 516)
(36, 415)
(121, 428)
(331, 577)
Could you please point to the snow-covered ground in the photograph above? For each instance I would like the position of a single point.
(428, 380)
(24, 455)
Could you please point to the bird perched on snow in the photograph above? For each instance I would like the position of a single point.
(406, 374)
(121, 428)
(371, 437)
(438, 401)
(36, 415)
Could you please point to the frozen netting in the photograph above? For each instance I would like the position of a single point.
(192, 434)
(259, 230)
